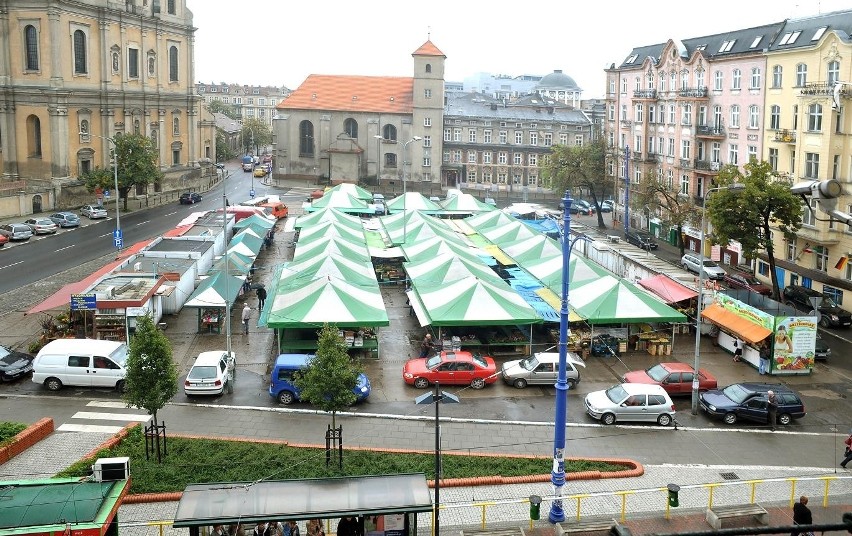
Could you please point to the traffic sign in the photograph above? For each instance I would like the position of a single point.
(118, 243)
(251, 193)
(106, 193)
(118, 238)
(84, 302)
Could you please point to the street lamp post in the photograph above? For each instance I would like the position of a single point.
(735, 187)
(117, 238)
(404, 197)
(557, 475)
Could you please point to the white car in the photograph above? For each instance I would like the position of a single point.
(93, 212)
(631, 402)
(209, 374)
(694, 263)
(41, 225)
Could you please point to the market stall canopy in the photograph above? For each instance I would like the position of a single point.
(530, 210)
(331, 245)
(581, 270)
(328, 214)
(421, 229)
(351, 189)
(246, 244)
(610, 300)
(204, 505)
(748, 331)
(238, 265)
(327, 300)
(254, 220)
(215, 291)
(342, 201)
(258, 232)
(330, 229)
(470, 302)
(465, 204)
(446, 268)
(436, 246)
(528, 249)
(493, 218)
(510, 232)
(412, 201)
(667, 288)
(295, 274)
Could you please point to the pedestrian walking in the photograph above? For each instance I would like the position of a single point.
(738, 349)
(426, 346)
(771, 409)
(246, 317)
(261, 298)
(847, 454)
(764, 358)
(232, 365)
(802, 516)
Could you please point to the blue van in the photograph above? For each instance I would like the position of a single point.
(286, 365)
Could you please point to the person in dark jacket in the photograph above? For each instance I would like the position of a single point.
(349, 526)
(771, 409)
(261, 298)
(802, 515)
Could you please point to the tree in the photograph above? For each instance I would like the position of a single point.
(137, 164)
(220, 107)
(330, 377)
(580, 166)
(677, 209)
(765, 202)
(151, 379)
(255, 133)
(223, 151)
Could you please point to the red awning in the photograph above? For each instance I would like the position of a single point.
(668, 289)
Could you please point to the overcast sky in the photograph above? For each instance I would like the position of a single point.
(281, 42)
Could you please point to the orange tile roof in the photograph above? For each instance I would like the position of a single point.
(428, 49)
(386, 94)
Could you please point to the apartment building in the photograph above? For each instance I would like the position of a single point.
(251, 102)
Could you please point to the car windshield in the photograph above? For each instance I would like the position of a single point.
(751, 281)
(479, 360)
(736, 393)
(119, 355)
(433, 361)
(529, 363)
(616, 394)
(201, 373)
(710, 264)
(4, 353)
(657, 373)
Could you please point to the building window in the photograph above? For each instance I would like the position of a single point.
(671, 147)
(801, 75)
(427, 141)
(812, 165)
(548, 139)
(652, 113)
(752, 152)
(173, 64)
(718, 79)
(487, 136)
(502, 157)
(504, 136)
(133, 62)
(671, 114)
(471, 135)
(532, 159)
(80, 58)
(821, 258)
(31, 45)
(808, 211)
(773, 158)
(533, 138)
(639, 114)
(457, 133)
(33, 137)
(486, 157)
(471, 157)
(735, 116)
(791, 250)
(777, 72)
(175, 157)
(684, 184)
(753, 116)
(795, 117)
(755, 78)
(519, 137)
(350, 127)
(833, 72)
(176, 126)
(815, 117)
(686, 118)
(306, 139)
(775, 117)
(137, 127)
(170, 6)
(736, 79)
(427, 121)
(518, 159)
(624, 112)
(734, 154)
(834, 293)
(685, 149)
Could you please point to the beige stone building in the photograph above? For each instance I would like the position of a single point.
(75, 73)
(252, 102)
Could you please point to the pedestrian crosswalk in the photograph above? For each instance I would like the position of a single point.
(97, 421)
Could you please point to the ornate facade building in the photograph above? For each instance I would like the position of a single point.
(251, 102)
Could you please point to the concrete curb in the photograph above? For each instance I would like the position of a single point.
(26, 439)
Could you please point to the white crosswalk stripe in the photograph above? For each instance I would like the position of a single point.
(96, 421)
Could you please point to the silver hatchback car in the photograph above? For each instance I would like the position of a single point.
(16, 231)
(631, 402)
(541, 369)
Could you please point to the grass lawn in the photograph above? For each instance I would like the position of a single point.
(8, 430)
(206, 460)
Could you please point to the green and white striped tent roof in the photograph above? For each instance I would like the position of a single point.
(431, 247)
(215, 290)
(331, 245)
(357, 272)
(413, 201)
(447, 267)
(331, 229)
(537, 247)
(328, 214)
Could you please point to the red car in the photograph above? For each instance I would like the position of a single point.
(675, 378)
(450, 368)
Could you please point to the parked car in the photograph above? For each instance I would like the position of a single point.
(631, 402)
(675, 378)
(541, 369)
(3, 240)
(579, 206)
(830, 314)
(286, 366)
(16, 231)
(190, 198)
(260, 171)
(41, 225)
(14, 365)
(822, 351)
(607, 205)
(93, 212)
(747, 401)
(450, 368)
(694, 263)
(209, 374)
(81, 362)
(65, 219)
(748, 282)
(641, 240)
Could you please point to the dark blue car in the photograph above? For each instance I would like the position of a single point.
(747, 401)
(287, 365)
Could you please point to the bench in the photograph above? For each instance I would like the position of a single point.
(716, 514)
(585, 526)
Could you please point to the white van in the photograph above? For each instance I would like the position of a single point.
(81, 362)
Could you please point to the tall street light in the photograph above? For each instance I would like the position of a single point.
(735, 187)
(116, 237)
(557, 475)
(404, 197)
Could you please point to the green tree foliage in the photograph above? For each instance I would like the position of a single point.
(223, 152)
(748, 216)
(676, 208)
(151, 374)
(137, 164)
(255, 133)
(580, 167)
(229, 110)
(331, 376)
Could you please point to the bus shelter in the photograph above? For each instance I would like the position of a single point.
(398, 498)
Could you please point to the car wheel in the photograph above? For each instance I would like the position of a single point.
(285, 397)
(784, 419)
(121, 386)
(664, 420)
(520, 383)
(421, 383)
(477, 383)
(608, 418)
(730, 418)
(572, 383)
(824, 321)
(53, 384)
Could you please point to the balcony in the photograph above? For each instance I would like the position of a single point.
(693, 93)
(705, 166)
(787, 136)
(645, 94)
(823, 89)
(710, 131)
(685, 163)
(626, 123)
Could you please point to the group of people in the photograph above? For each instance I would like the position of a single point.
(313, 527)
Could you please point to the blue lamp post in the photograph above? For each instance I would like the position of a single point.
(557, 475)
